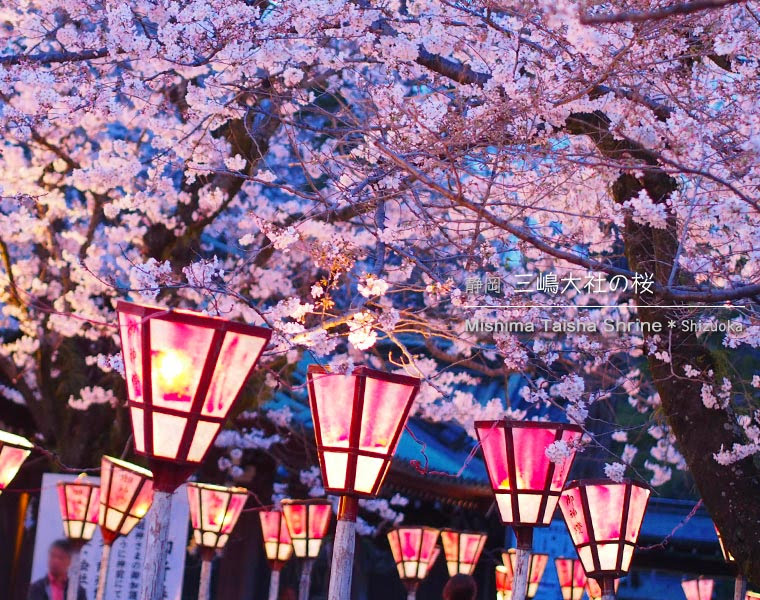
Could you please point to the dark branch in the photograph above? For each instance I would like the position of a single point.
(684, 8)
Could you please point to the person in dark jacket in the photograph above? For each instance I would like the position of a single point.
(55, 584)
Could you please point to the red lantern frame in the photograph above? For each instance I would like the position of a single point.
(520, 472)
(14, 450)
(536, 568)
(184, 376)
(306, 536)
(277, 543)
(413, 550)
(345, 434)
(462, 550)
(605, 547)
(121, 508)
(79, 502)
(571, 576)
(212, 528)
(698, 589)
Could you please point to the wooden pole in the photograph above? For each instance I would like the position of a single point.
(524, 537)
(343, 550)
(72, 586)
(740, 587)
(103, 572)
(274, 584)
(305, 583)
(608, 588)
(156, 547)
(411, 589)
(204, 587)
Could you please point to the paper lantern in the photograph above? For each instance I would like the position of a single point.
(13, 452)
(698, 589)
(126, 493)
(277, 544)
(604, 519)
(462, 550)
(307, 522)
(214, 511)
(536, 569)
(525, 482)
(752, 595)
(503, 583)
(594, 590)
(79, 502)
(358, 420)
(184, 372)
(412, 549)
(572, 578)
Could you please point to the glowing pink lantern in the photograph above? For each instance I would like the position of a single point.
(79, 502)
(535, 570)
(277, 544)
(214, 511)
(594, 590)
(572, 578)
(126, 493)
(184, 372)
(752, 595)
(413, 551)
(13, 452)
(604, 519)
(698, 589)
(307, 522)
(503, 583)
(462, 550)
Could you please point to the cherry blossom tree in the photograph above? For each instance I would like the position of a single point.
(339, 170)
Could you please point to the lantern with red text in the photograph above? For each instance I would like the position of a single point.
(698, 589)
(358, 420)
(214, 511)
(604, 519)
(412, 549)
(126, 493)
(307, 522)
(536, 569)
(572, 578)
(594, 590)
(184, 371)
(277, 544)
(79, 502)
(462, 550)
(13, 452)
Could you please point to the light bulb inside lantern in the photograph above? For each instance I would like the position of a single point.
(173, 369)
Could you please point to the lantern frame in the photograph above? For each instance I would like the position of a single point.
(571, 576)
(694, 589)
(206, 534)
(456, 566)
(307, 539)
(425, 552)
(282, 550)
(14, 450)
(536, 569)
(353, 450)
(590, 549)
(171, 471)
(127, 517)
(79, 531)
(508, 499)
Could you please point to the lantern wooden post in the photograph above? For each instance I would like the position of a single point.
(184, 371)
(126, 494)
(414, 551)
(604, 518)
(277, 546)
(79, 502)
(358, 421)
(307, 522)
(14, 450)
(524, 481)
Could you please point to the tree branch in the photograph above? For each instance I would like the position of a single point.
(684, 8)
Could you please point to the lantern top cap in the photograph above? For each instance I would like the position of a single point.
(368, 372)
(218, 488)
(128, 465)
(306, 501)
(512, 423)
(81, 481)
(465, 531)
(14, 440)
(191, 317)
(604, 481)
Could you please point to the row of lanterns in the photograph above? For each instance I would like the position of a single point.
(184, 372)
